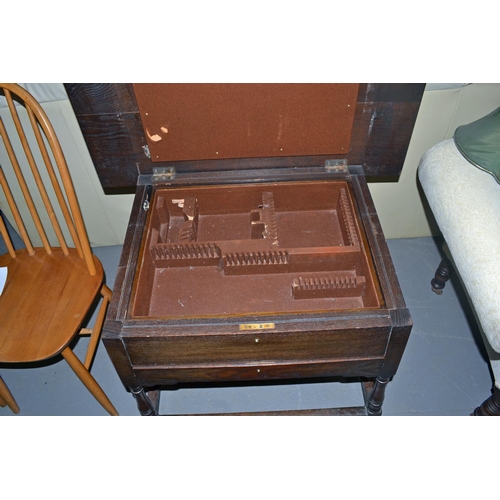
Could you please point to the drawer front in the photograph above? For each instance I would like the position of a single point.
(149, 376)
(257, 347)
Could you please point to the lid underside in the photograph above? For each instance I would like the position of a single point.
(223, 121)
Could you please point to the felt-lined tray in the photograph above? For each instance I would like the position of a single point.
(253, 249)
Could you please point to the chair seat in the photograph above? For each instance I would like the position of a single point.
(466, 204)
(44, 302)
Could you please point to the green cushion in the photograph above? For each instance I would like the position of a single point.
(479, 143)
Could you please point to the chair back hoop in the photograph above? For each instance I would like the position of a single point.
(56, 188)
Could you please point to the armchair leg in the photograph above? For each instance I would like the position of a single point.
(441, 276)
(6, 398)
(490, 407)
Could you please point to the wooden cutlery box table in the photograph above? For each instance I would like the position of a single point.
(254, 251)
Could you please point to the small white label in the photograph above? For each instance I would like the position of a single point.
(257, 326)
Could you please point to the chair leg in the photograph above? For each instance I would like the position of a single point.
(441, 276)
(490, 407)
(88, 380)
(6, 398)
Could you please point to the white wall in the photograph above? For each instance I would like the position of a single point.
(399, 205)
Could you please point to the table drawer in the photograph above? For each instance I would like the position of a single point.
(160, 376)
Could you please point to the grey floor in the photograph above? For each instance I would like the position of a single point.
(444, 370)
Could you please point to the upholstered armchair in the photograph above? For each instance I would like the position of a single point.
(461, 181)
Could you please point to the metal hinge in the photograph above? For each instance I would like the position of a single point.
(334, 166)
(163, 173)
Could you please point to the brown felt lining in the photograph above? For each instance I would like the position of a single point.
(215, 121)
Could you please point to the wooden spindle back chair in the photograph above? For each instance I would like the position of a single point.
(50, 288)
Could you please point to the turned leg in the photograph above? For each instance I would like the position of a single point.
(491, 407)
(147, 406)
(441, 276)
(374, 405)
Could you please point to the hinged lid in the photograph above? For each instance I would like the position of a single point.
(131, 129)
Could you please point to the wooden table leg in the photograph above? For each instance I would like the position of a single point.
(146, 406)
(374, 406)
